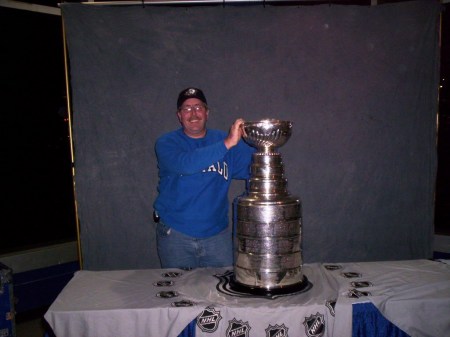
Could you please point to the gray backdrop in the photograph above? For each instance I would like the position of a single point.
(359, 84)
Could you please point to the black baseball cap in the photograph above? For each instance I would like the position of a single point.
(190, 93)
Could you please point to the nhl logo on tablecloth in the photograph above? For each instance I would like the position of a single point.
(331, 304)
(277, 331)
(314, 325)
(163, 283)
(332, 266)
(355, 293)
(237, 328)
(351, 274)
(183, 303)
(172, 274)
(208, 320)
(167, 294)
(361, 284)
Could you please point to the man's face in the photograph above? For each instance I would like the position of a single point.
(193, 116)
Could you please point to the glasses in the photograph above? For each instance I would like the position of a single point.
(190, 108)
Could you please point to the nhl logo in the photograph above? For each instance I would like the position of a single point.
(355, 293)
(208, 320)
(237, 328)
(167, 294)
(277, 331)
(351, 274)
(331, 305)
(314, 325)
(183, 303)
(361, 284)
(163, 284)
(171, 274)
(332, 267)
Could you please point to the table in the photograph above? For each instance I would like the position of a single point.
(397, 298)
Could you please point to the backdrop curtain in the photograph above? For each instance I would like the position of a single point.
(359, 83)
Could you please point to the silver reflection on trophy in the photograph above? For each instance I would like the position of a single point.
(268, 227)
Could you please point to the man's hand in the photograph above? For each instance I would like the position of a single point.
(235, 134)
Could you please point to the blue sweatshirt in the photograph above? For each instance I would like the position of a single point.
(194, 178)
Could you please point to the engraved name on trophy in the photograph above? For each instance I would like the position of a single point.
(268, 256)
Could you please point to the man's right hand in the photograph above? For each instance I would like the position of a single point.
(235, 134)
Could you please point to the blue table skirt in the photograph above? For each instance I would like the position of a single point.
(367, 321)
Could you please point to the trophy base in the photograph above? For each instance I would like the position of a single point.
(300, 287)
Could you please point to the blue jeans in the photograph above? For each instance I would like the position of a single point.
(177, 250)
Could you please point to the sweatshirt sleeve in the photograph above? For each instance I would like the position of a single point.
(174, 157)
(242, 160)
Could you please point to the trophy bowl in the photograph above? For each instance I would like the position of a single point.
(267, 134)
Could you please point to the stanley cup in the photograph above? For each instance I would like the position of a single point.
(268, 223)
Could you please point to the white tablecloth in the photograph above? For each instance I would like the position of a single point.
(413, 295)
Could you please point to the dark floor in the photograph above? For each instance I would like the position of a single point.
(32, 324)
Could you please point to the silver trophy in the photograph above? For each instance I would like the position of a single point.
(268, 253)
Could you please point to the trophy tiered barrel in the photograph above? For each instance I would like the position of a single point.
(268, 254)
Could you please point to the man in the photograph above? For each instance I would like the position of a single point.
(196, 166)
